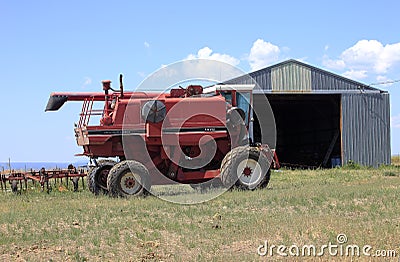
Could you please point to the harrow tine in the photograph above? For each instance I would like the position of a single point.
(83, 183)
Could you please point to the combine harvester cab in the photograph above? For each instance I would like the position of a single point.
(190, 135)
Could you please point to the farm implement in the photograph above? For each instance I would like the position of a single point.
(19, 180)
(192, 135)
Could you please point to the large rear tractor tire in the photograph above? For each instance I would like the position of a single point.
(128, 178)
(97, 176)
(245, 168)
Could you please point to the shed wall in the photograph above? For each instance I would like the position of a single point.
(366, 129)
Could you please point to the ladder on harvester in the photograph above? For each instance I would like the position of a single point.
(88, 111)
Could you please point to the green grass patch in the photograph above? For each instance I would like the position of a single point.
(298, 207)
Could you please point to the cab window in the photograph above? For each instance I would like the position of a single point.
(243, 102)
(227, 96)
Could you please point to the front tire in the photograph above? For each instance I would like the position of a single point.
(128, 178)
(97, 176)
(245, 168)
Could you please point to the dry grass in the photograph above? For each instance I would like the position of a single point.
(298, 207)
(396, 160)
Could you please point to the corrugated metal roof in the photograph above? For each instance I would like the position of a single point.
(294, 76)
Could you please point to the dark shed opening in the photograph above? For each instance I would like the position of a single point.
(307, 129)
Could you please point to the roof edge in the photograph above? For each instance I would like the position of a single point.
(317, 69)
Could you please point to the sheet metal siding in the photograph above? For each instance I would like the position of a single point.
(324, 81)
(263, 79)
(291, 78)
(366, 129)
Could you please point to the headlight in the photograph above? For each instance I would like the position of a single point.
(154, 111)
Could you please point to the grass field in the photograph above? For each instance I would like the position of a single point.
(396, 160)
(300, 207)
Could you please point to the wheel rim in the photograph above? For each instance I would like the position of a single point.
(129, 183)
(249, 172)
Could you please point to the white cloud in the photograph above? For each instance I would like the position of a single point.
(263, 54)
(207, 53)
(395, 121)
(384, 81)
(88, 81)
(333, 64)
(146, 44)
(363, 53)
(366, 57)
(356, 74)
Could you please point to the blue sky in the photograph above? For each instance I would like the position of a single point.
(51, 46)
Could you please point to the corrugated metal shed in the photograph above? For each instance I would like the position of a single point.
(363, 111)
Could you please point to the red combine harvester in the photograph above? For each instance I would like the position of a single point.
(190, 135)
